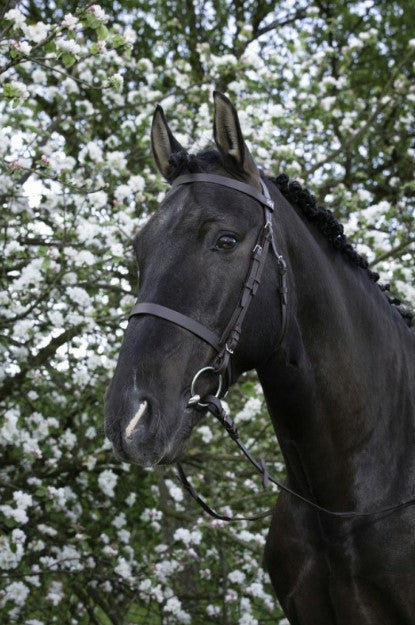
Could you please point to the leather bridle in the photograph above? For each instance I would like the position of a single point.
(226, 343)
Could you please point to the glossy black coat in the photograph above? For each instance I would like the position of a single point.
(340, 392)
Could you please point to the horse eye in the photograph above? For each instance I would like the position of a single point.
(226, 242)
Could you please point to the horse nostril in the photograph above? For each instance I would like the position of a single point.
(135, 419)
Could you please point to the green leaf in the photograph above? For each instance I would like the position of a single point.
(116, 82)
(68, 59)
(10, 91)
(41, 491)
(50, 47)
(102, 32)
(91, 21)
(9, 522)
(118, 41)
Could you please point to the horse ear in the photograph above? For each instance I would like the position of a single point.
(163, 142)
(229, 139)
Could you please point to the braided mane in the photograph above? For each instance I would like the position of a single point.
(333, 230)
(294, 193)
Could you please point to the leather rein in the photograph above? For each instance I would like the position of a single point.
(226, 343)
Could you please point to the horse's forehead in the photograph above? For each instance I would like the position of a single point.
(186, 206)
(190, 205)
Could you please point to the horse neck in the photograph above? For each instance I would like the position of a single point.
(341, 390)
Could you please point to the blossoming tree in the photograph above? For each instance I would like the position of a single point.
(326, 94)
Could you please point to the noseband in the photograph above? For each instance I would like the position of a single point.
(226, 343)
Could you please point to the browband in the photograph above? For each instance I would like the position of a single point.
(248, 189)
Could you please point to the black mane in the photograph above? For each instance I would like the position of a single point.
(333, 230)
(304, 200)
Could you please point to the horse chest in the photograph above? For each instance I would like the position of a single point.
(334, 577)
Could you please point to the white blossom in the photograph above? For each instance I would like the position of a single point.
(231, 596)
(187, 537)
(4, 143)
(364, 195)
(90, 432)
(237, 577)
(98, 200)
(17, 592)
(117, 81)
(119, 520)
(9, 431)
(56, 318)
(250, 410)
(39, 76)
(68, 439)
(136, 183)
(247, 619)
(46, 529)
(116, 160)
(107, 481)
(98, 12)
(85, 257)
(11, 551)
(123, 568)
(22, 500)
(94, 151)
(58, 495)
(70, 85)
(70, 21)
(69, 558)
(164, 569)
(206, 433)
(21, 88)
(79, 296)
(18, 514)
(122, 191)
(22, 46)
(16, 16)
(124, 536)
(55, 593)
(174, 606)
(213, 610)
(36, 32)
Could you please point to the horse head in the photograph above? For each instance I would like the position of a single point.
(193, 257)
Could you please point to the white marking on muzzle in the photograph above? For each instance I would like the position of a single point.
(130, 427)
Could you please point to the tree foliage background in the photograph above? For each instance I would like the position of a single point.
(326, 93)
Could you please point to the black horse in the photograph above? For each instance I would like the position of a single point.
(340, 386)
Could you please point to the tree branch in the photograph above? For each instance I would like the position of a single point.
(393, 252)
(37, 360)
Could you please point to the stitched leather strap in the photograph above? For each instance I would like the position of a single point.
(146, 308)
(248, 189)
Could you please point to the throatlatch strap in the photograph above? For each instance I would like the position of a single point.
(147, 308)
